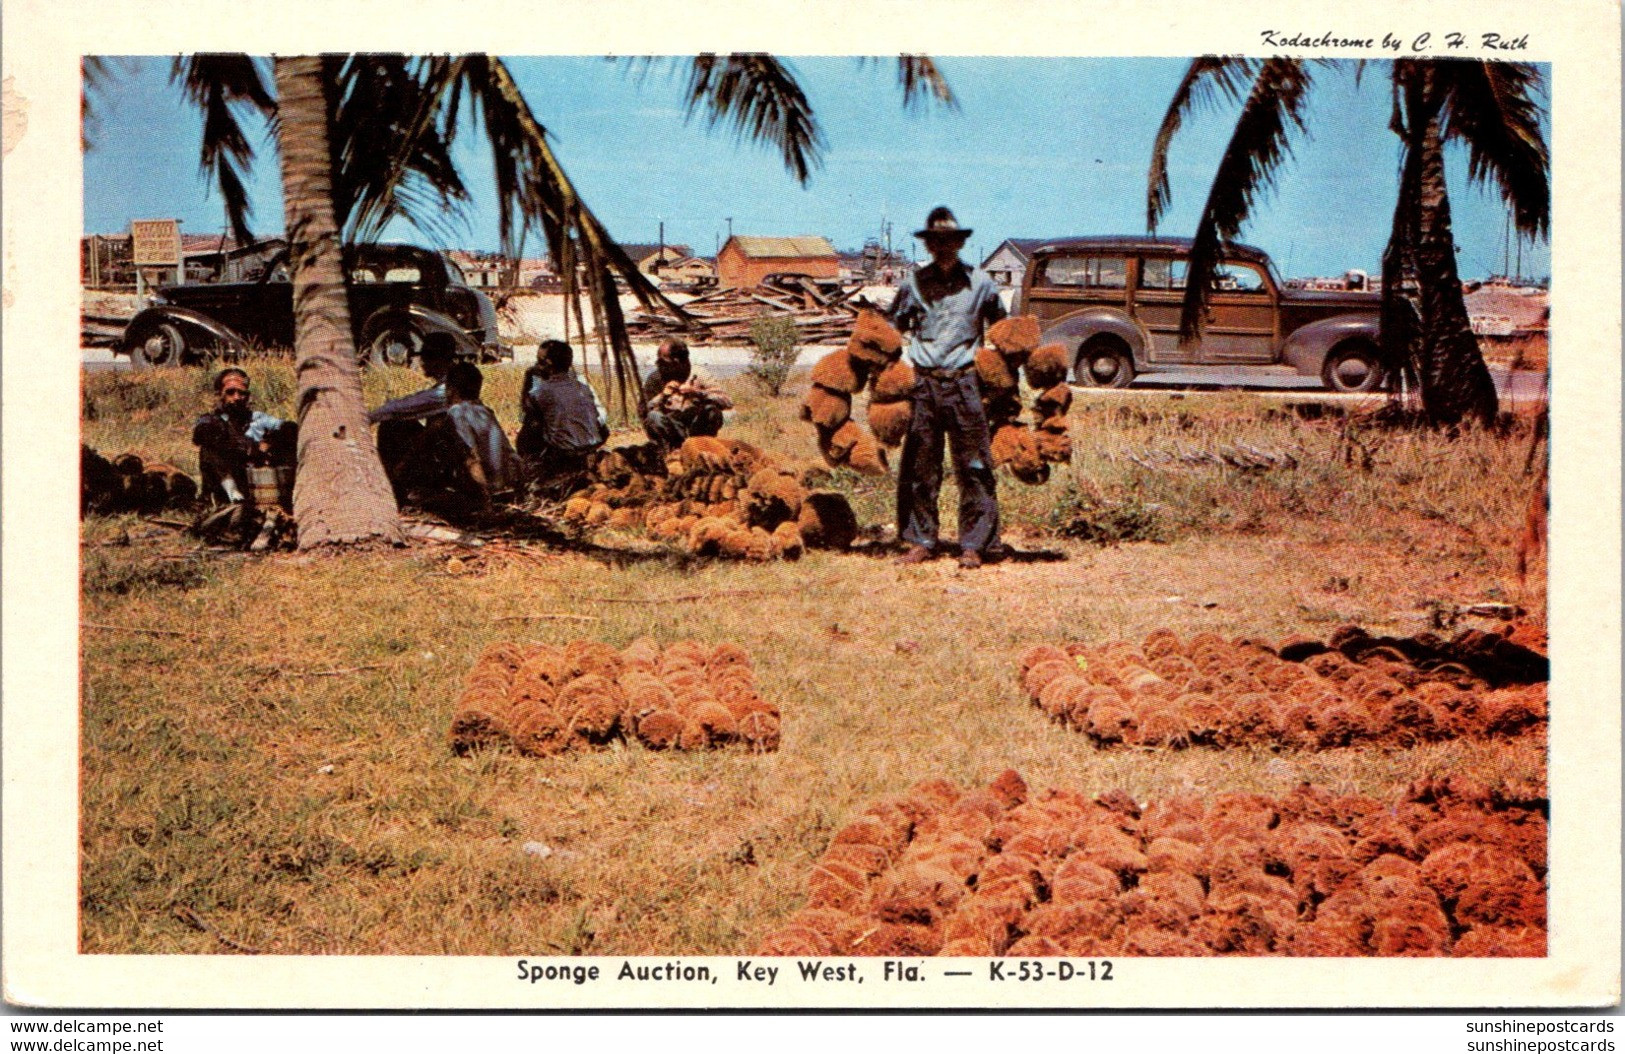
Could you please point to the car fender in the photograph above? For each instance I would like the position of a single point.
(1306, 349)
(200, 330)
(1075, 329)
(426, 319)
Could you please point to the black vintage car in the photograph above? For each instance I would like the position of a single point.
(398, 294)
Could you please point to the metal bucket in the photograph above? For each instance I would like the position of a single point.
(271, 486)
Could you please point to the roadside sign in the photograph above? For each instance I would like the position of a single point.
(155, 243)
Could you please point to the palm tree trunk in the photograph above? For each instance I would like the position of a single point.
(341, 495)
(1455, 381)
(1425, 317)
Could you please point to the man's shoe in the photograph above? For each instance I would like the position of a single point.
(917, 554)
(970, 560)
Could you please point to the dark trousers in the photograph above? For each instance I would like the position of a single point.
(221, 460)
(556, 473)
(948, 407)
(428, 465)
(704, 418)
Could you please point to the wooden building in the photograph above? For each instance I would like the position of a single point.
(745, 260)
(1007, 265)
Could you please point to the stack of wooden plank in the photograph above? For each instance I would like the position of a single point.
(101, 331)
(824, 312)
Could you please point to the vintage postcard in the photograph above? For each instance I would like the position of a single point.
(847, 505)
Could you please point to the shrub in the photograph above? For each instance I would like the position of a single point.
(773, 352)
(1107, 522)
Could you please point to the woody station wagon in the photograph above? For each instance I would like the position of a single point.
(1114, 302)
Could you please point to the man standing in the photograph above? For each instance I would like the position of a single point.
(563, 420)
(233, 436)
(942, 308)
(681, 402)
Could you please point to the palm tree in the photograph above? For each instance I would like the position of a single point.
(1487, 106)
(341, 494)
(380, 129)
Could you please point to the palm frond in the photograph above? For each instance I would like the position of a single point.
(760, 97)
(921, 80)
(390, 158)
(222, 86)
(1260, 143)
(533, 190)
(1492, 108)
(96, 76)
(1204, 82)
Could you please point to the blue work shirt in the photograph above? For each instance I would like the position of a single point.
(480, 432)
(563, 411)
(942, 315)
(414, 407)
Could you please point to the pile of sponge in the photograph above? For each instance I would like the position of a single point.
(713, 497)
(1450, 868)
(542, 700)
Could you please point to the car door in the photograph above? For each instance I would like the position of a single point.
(1240, 326)
(1158, 296)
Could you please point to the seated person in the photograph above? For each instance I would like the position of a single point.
(681, 402)
(401, 421)
(233, 436)
(564, 421)
(463, 460)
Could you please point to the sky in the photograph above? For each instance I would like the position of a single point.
(1037, 148)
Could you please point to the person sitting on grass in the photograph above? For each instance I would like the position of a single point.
(401, 421)
(465, 462)
(680, 401)
(564, 421)
(234, 435)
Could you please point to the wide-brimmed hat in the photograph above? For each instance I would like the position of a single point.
(941, 223)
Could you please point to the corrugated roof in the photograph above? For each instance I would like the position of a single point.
(784, 248)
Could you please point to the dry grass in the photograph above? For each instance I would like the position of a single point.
(282, 769)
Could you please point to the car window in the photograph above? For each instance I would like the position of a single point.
(1094, 272)
(403, 274)
(1238, 278)
(1162, 274)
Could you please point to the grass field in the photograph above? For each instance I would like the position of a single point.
(264, 754)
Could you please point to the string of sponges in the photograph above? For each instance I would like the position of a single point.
(713, 497)
(1013, 353)
(1208, 691)
(872, 361)
(1449, 868)
(540, 699)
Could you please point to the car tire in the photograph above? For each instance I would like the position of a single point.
(163, 345)
(1352, 368)
(1103, 362)
(393, 343)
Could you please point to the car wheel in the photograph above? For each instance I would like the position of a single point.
(164, 345)
(395, 344)
(1104, 363)
(1353, 369)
